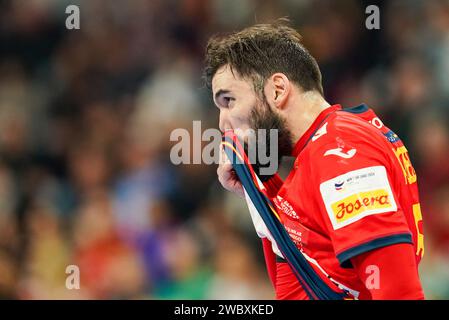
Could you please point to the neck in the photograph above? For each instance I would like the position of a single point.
(299, 119)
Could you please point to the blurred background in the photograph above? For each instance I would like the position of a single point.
(85, 119)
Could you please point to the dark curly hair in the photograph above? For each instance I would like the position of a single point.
(261, 50)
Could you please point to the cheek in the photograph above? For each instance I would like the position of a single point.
(240, 121)
(240, 117)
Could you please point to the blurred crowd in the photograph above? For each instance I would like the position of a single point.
(85, 119)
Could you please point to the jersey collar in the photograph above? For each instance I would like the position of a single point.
(313, 128)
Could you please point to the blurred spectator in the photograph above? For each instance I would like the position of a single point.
(102, 256)
(189, 276)
(46, 258)
(237, 275)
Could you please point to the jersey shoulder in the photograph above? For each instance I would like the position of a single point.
(362, 129)
(346, 142)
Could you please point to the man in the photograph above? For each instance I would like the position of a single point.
(350, 203)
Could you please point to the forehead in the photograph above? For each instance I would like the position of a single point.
(225, 79)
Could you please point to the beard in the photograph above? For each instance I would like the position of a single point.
(263, 117)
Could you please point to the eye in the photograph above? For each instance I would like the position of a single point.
(228, 101)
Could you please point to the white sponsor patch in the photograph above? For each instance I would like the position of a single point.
(357, 194)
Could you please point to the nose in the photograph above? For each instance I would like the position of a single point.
(224, 123)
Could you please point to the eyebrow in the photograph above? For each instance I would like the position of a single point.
(220, 93)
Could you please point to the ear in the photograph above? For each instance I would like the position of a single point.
(277, 90)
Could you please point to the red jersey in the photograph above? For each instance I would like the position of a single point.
(352, 189)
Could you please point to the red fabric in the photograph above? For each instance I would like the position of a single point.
(397, 272)
(270, 260)
(287, 285)
(299, 146)
(391, 261)
(352, 190)
(273, 185)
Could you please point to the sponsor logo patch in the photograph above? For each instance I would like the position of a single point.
(357, 194)
(359, 203)
(341, 153)
(285, 207)
(339, 185)
(391, 136)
